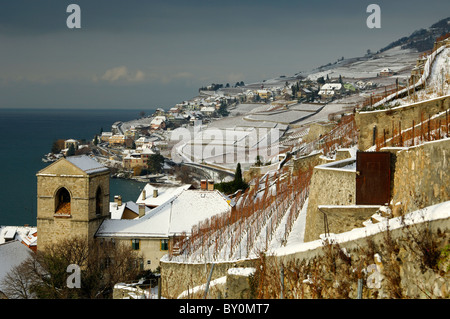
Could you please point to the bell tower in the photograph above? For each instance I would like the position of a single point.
(72, 199)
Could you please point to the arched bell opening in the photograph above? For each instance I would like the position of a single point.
(99, 201)
(62, 202)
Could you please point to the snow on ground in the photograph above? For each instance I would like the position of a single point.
(436, 71)
(239, 271)
(297, 233)
(396, 59)
(201, 288)
(440, 72)
(437, 84)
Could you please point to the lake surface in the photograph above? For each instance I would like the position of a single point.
(27, 135)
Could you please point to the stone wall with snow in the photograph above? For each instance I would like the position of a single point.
(332, 184)
(384, 120)
(421, 176)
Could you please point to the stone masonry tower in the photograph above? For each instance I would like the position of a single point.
(72, 199)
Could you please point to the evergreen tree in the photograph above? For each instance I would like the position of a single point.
(237, 184)
(238, 174)
(155, 163)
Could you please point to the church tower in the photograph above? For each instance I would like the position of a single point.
(72, 199)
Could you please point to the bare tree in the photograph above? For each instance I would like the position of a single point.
(44, 274)
(18, 283)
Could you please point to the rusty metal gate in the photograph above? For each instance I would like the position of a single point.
(373, 178)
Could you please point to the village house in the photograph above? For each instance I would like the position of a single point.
(386, 72)
(131, 133)
(159, 122)
(154, 196)
(120, 140)
(126, 210)
(330, 90)
(132, 160)
(159, 230)
(71, 142)
(208, 110)
(264, 94)
(174, 110)
(106, 136)
(144, 140)
(25, 234)
(138, 157)
(304, 93)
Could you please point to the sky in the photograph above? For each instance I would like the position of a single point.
(144, 54)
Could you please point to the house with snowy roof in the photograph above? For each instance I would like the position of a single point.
(386, 72)
(126, 210)
(153, 196)
(159, 122)
(23, 234)
(144, 140)
(208, 110)
(330, 90)
(158, 231)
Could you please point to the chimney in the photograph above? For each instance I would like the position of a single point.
(118, 200)
(210, 185)
(203, 184)
(155, 193)
(143, 194)
(141, 210)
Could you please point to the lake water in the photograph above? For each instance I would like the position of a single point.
(27, 135)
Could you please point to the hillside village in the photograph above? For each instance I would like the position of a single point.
(356, 156)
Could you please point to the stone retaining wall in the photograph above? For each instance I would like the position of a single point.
(421, 176)
(330, 185)
(383, 119)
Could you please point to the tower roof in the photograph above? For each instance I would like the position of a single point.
(87, 164)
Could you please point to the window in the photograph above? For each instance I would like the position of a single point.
(164, 244)
(98, 202)
(135, 244)
(62, 202)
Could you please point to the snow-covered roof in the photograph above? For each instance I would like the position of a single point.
(207, 109)
(87, 164)
(20, 233)
(173, 217)
(147, 150)
(12, 254)
(118, 210)
(158, 120)
(144, 139)
(331, 86)
(165, 193)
